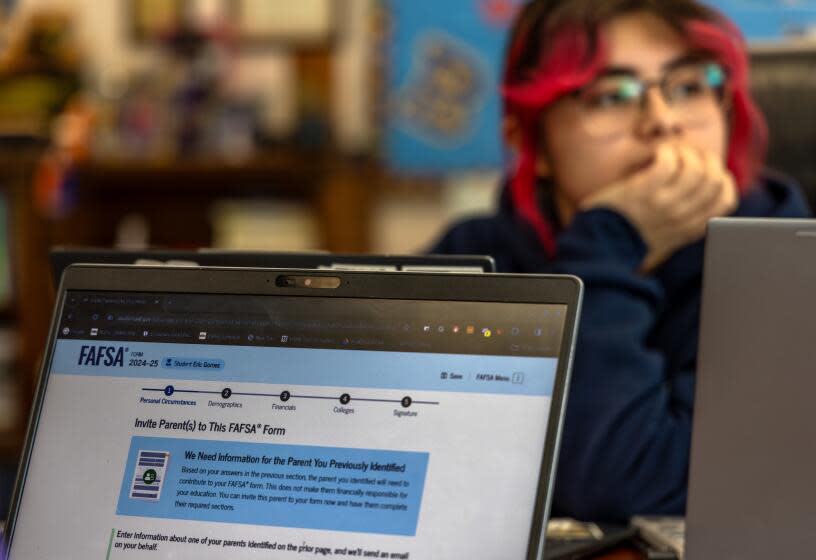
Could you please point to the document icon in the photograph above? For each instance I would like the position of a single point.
(148, 478)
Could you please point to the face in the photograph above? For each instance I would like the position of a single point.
(645, 47)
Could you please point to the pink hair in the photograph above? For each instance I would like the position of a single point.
(748, 138)
(571, 62)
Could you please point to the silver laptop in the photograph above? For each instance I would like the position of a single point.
(255, 413)
(753, 460)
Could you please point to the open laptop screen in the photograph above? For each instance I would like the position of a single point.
(212, 426)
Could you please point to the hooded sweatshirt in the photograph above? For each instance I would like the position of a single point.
(627, 431)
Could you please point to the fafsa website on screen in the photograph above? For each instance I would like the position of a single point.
(213, 426)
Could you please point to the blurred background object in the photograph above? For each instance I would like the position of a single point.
(347, 125)
(772, 22)
(443, 67)
(39, 72)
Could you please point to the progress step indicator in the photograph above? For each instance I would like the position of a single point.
(284, 396)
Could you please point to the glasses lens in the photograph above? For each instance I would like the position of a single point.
(694, 92)
(609, 103)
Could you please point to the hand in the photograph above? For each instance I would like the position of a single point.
(671, 201)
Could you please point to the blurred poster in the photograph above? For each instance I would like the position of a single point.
(771, 21)
(444, 62)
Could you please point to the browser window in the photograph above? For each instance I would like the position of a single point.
(186, 425)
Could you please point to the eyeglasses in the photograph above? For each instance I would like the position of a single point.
(612, 104)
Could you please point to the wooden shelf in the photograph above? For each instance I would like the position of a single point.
(285, 172)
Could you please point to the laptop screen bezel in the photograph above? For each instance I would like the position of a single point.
(487, 288)
(63, 257)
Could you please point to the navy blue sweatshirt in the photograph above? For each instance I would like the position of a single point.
(627, 432)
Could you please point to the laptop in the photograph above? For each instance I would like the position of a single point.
(753, 456)
(245, 413)
(62, 257)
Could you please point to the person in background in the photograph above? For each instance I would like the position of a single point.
(632, 125)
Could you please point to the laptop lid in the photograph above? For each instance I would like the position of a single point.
(751, 492)
(211, 413)
(62, 257)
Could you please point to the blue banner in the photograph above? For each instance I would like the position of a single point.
(171, 363)
(308, 487)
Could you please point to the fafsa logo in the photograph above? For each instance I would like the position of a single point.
(107, 356)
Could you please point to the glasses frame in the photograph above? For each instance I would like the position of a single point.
(662, 84)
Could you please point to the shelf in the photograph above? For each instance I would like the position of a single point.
(279, 172)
